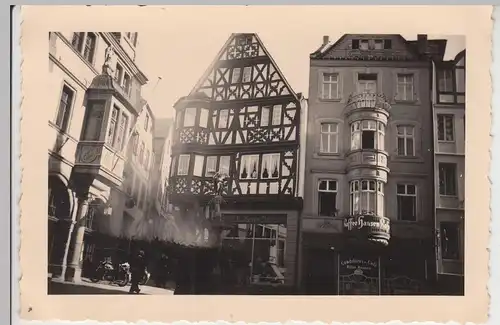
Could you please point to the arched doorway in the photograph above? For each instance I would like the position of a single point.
(59, 222)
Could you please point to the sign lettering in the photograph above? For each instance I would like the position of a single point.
(372, 227)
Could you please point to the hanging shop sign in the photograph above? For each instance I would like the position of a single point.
(367, 226)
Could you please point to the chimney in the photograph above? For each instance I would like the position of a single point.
(326, 39)
(422, 43)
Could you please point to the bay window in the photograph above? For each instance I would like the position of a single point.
(211, 166)
(189, 116)
(204, 117)
(367, 196)
(93, 121)
(183, 165)
(198, 165)
(367, 134)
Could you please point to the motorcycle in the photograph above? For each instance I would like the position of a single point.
(105, 271)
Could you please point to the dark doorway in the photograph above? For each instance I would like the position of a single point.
(320, 271)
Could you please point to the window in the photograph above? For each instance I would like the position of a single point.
(276, 115)
(331, 86)
(198, 165)
(407, 202)
(118, 73)
(355, 44)
(270, 166)
(406, 141)
(327, 198)
(120, 136)
(112, 126)
(387, 44)
(126, 83)
(329, 138)
(132, 37)
(378, 45)
(249, 167)
(446, 128)
(211, 167)
(445, 80)
(64, 110)
(447, 179)
(224, 164)
(235, 76)
(146, 122)
(247, 74)
(364, 45)
(367, 83)
(183, 165)
(189, 116)
(93, 122)
(89, 50)
(204, 117)
(77, 41)
(141, 153)
(405, 87)
(264, 118)
(146, 160)
(366, 196)
(460, 80)
(223, 119)
(367, 134)
(450, 240)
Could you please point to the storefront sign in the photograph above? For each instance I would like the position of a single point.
(369, 226)
(359, 265)
(322, 225)
(255, 218)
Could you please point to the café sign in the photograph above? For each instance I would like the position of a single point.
(368, 226)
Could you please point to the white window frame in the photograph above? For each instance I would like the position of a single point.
(406, 193)
(223, 119)
(445, 79)
(183, 165)
(222, 164)
(211, 166)
(332, 138)
(367, 86)
(358, 194)
(203, 118)
(248, 161)
(188, 113)
(246, 76)
(327, 190)
(407, 133)
(330, 86)
(270, 159)
(264, 116)
(445, 117)
(406, 83)
(454, 179)
(198, 165)
(357, 129)
(277, 115)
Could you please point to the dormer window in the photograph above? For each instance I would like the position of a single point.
(355, 44)
(364, 45)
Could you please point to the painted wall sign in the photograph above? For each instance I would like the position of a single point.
(322, 225)
(373, 228)
(255, 218)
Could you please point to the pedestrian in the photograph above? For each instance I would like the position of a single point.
(137, 268)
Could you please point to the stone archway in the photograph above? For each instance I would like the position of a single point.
(60, 207)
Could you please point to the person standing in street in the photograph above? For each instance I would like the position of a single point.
(138, 268)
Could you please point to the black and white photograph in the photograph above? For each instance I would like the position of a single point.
(346, 179)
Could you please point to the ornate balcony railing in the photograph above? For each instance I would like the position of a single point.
(367, 157)
(368, 101)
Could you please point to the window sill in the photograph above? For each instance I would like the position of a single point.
(407, 102)
(324, 155)
(412, 159)
(330, 100)
(447, 141)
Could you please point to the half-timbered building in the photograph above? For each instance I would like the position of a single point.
(241, 120)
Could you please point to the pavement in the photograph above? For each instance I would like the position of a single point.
(86, 287)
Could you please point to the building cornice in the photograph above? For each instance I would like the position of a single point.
(360, 63)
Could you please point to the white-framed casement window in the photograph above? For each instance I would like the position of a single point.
(224, 164)
(367, 83)
(247, 74)
(327, 198)
(270, 166)
(118, 126)
(367, 134)
(183, 165)
(450, 240)
(198, 165)
(249, 167)
(330, 86)
(211, 166)
(264, 116)
(235, 75)
(407, 202)
(203, 117)
(223, 122)
(366, 196)
(127, 82)
(406, 140)
(447, 179)
(189, 116)
(276, 119)
(329, 138)
(446, 127)
(65, 107)
(85, 44)
(445, 80)
(405, 87)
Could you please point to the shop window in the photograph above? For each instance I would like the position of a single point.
(327, 198)
(450, 240)
(407, 202)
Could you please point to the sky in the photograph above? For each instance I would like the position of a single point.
(180, 55)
